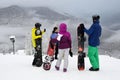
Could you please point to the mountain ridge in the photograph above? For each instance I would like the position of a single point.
(16, 14)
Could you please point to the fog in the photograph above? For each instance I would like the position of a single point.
(83, 9)
(107, 9)
(22, 33)
(75, 7)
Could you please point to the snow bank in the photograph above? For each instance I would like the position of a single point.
(18, 67)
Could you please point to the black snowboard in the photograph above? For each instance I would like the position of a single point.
(37, 61)
(81, 54)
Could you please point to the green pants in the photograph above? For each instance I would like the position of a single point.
(93, 56)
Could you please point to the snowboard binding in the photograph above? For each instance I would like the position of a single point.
(37, 57)
(47, 62)
(38, 62)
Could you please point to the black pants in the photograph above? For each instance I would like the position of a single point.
(56, 51)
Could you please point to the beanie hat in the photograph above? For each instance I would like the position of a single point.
(37, 25)
(95, 17)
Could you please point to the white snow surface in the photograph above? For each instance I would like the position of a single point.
(18, 67)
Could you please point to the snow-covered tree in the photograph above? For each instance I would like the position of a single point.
(28, 44)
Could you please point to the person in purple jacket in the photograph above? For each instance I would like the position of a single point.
(64, 46)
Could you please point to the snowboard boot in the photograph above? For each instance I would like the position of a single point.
(52, 59)
(39, 62)
(92, 69)
(64, 70)
(56, 58)
(57, 68)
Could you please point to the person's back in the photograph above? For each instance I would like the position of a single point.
(65, 41)
(36, 34)
(37, 44)
(64, 46)
(94, 33)
(94, 36)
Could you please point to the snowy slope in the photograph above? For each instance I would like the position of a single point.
(18, 67)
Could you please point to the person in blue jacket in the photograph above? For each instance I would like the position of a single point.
(94, 34)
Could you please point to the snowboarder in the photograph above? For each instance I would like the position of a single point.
(94, 34)
(37, 44)
(64, 45)
(53, 43)
(53, 40)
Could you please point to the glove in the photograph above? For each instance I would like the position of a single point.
(70, 53)
(44, 30)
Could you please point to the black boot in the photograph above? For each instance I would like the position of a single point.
(39, 62)
(56, 58)
(92, 69)
(34, 62)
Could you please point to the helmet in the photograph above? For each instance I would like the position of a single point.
(37, 25)
(95, 17)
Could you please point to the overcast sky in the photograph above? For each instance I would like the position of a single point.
(72, 6)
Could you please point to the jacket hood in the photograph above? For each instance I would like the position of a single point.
(63, 28)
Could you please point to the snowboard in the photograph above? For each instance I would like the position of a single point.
(37, 61)
(49, 58)
(81, 53)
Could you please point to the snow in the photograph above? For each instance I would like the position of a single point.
(18, 67)
(12, 37)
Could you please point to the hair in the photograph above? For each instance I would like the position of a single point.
(54, 29)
